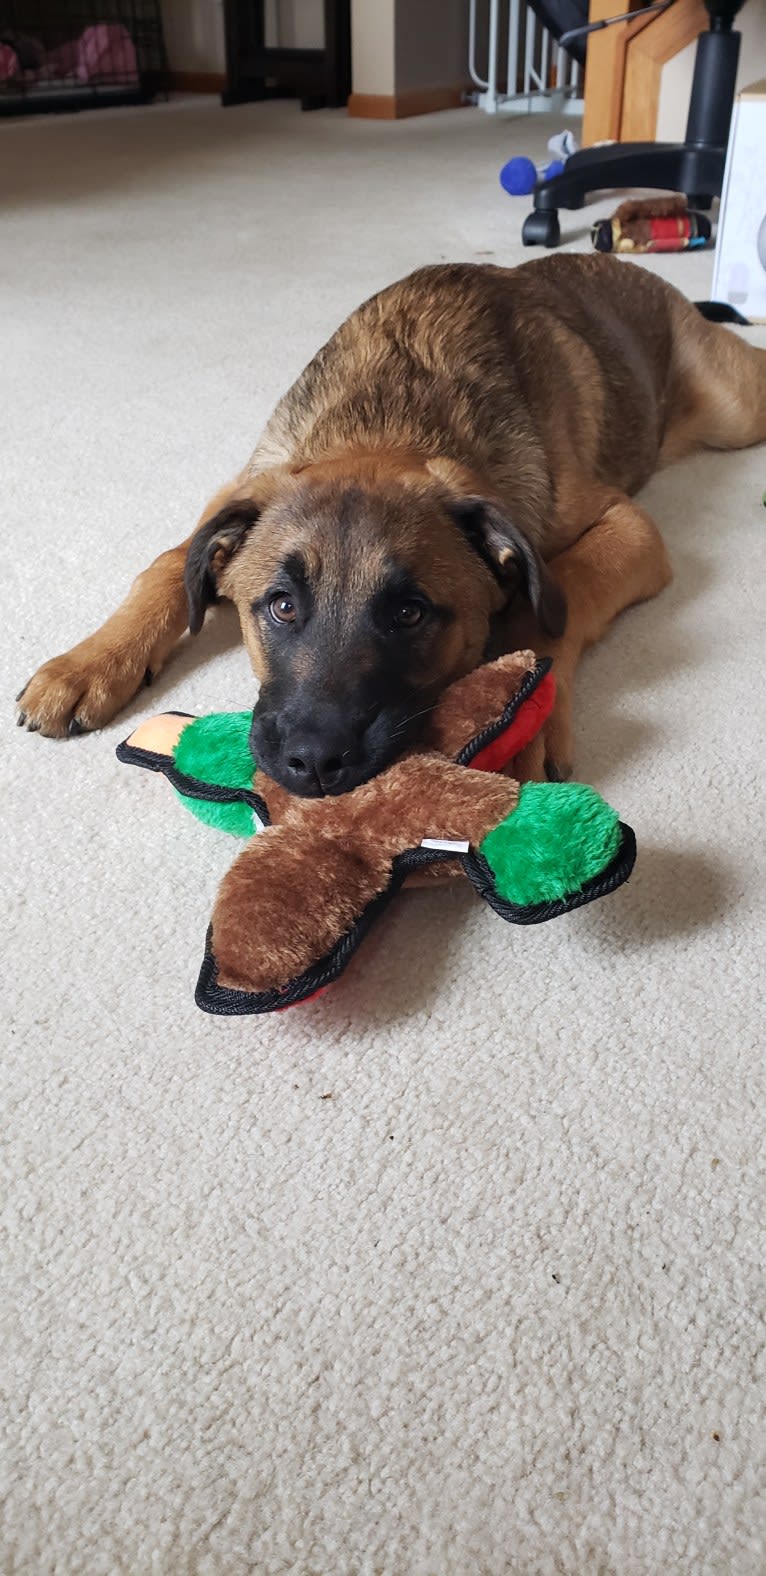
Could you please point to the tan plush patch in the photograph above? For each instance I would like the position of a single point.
(158, 734)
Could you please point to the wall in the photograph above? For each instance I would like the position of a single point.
(676, 84)
(431, 43)
(397, 46)
(408, 50)
(194, 35)
(373, 68)
(295, 24)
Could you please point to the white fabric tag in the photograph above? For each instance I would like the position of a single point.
(445, 844)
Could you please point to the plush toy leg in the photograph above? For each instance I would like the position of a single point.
(301, 886)
(559, 837)
(285, 903)
(476, 700)
(215, 750)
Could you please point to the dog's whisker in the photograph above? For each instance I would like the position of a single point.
(405, 722)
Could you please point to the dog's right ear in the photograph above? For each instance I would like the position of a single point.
(212, 546)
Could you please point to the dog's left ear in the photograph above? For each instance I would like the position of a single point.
(220, 536)
(210, 549)
(505, 549)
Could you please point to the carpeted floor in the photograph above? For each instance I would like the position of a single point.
(455, 1272)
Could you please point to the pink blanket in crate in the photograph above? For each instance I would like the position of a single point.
(103, 53)
(10, 66)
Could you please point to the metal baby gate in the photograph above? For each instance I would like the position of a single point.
(526, 69)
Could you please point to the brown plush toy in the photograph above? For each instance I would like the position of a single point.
(301, 896)
(651, 224)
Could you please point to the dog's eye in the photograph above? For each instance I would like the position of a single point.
(407, 614)
(283, 609)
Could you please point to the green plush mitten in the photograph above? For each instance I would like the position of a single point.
(215, 750)
(559, 837)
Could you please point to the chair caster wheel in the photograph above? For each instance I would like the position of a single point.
(541, 228)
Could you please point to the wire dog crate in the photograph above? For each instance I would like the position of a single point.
(74, 54)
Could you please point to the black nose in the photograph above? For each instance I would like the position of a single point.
(319, 761)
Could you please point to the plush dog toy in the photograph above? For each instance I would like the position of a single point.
(303, 893)
(651, 224)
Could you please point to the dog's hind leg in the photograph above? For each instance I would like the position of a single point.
(716, 390)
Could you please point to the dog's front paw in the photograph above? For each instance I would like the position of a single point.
(558, 736)
(79, 691)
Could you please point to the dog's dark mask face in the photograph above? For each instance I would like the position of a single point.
(349, 677)
(359, 604)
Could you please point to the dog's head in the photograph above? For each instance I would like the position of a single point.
(363, 589)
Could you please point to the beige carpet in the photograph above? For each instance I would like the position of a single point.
(457, 1271)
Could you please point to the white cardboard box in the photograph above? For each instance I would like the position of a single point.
(739, 275)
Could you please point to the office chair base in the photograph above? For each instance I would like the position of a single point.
(541, 229)
(671, 167)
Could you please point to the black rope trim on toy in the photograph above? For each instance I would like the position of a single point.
(617, 871)
(225, 1001)
(530, 682)
(191, 787)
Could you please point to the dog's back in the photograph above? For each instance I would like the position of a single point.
(526, 375)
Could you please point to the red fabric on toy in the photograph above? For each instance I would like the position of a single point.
(525, 727)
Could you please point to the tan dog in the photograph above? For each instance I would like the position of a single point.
(464, 448)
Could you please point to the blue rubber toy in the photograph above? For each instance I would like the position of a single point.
(519, 176)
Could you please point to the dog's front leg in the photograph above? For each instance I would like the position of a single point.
(619, 561)
(86, 686)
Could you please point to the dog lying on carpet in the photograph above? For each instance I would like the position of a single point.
(450, 474)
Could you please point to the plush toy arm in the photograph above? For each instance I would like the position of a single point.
(301, 896)
(477, 700)
(561, 847)
(208, 762)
